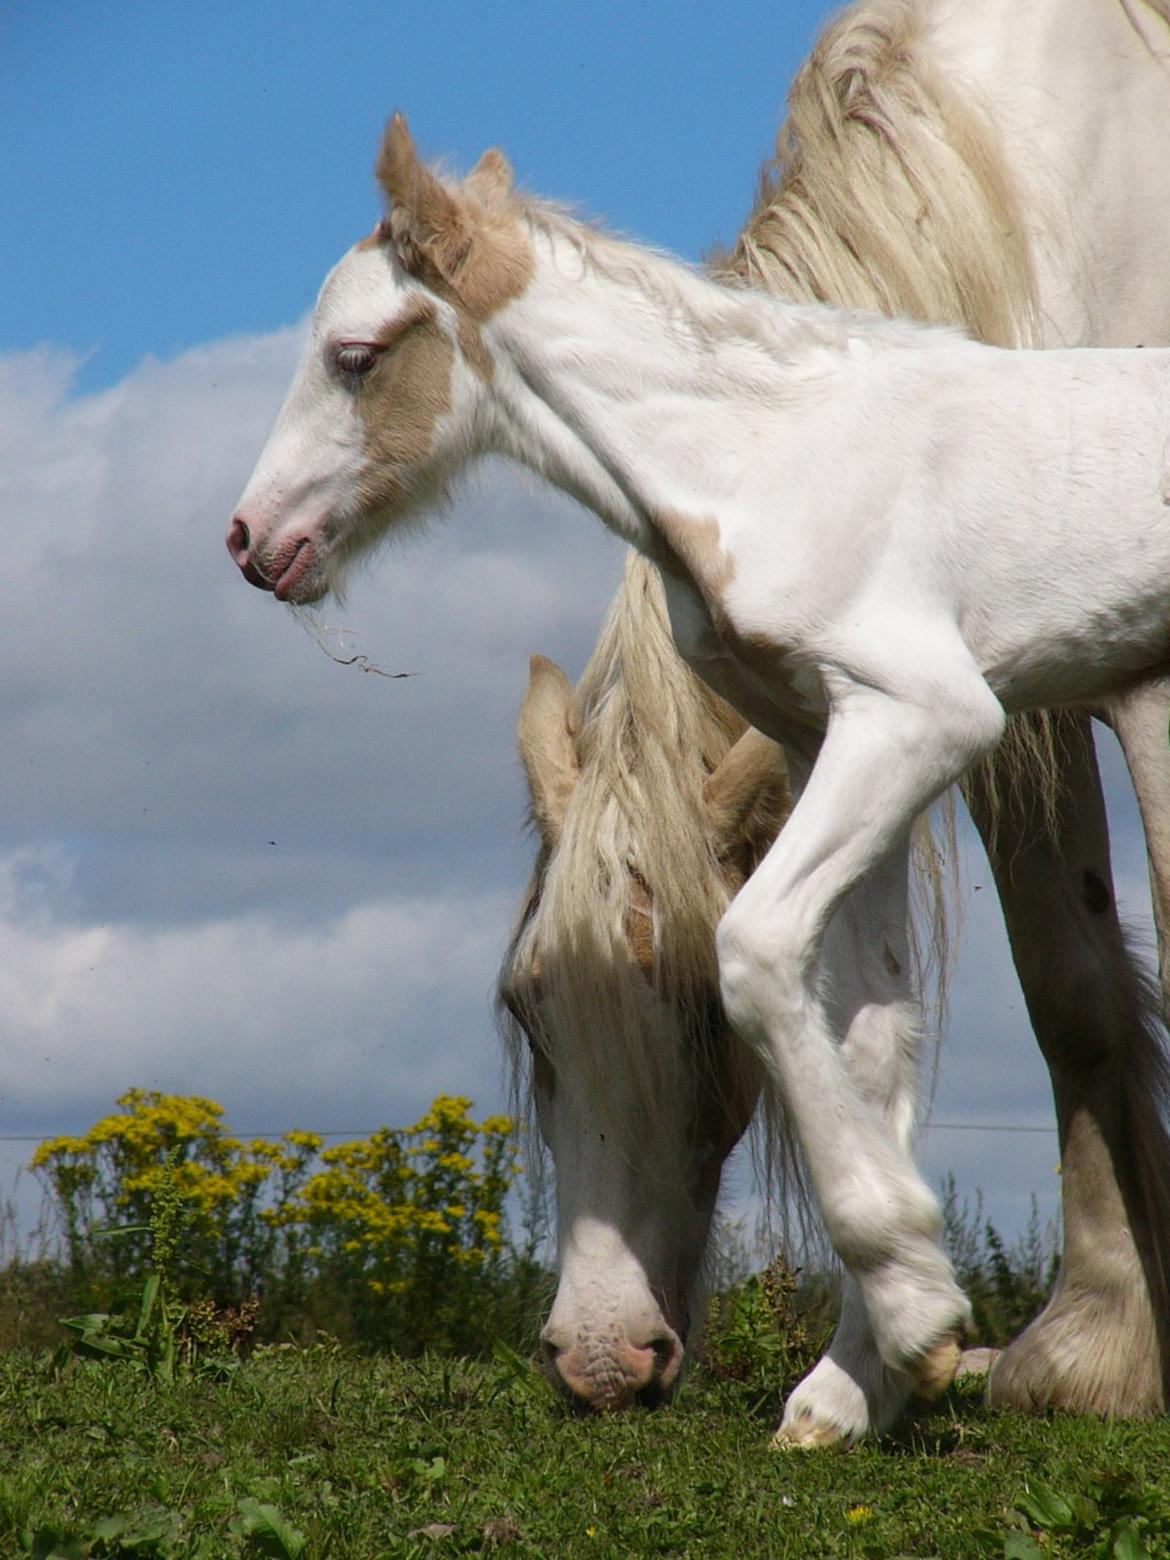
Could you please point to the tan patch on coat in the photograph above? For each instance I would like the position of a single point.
(639, 924)
(378, 239)
(498, 268)
(692, 549)
(493, 271)
(401, 402)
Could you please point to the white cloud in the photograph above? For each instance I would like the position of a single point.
(228, 864)
(357, 1019)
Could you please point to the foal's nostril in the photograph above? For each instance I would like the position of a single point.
(239, 539)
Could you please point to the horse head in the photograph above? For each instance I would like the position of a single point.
(640, 1090)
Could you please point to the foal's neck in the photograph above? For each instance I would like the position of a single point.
(621, 368)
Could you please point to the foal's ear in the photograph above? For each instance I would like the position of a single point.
(547, 750)
(428, 222)
(747, 796)
(492, 178)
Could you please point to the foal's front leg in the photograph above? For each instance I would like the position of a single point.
(883, 760)
(866, 962)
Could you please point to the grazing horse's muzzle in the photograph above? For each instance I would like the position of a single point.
(614, 1374)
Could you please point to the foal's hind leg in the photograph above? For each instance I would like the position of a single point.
(866, 961)
(1100, 1343)
(882, 761)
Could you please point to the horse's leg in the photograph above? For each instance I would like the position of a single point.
(1100, 1343)
(1141, 720)
(866, 959)
(881, 1217)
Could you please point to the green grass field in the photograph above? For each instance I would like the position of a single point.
(321, 1452)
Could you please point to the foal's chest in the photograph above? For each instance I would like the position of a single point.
(759, 678)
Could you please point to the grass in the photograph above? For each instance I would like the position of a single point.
(321, 1452)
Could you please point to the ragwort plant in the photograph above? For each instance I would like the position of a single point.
(410, 1228)
(398, 1240)
(114, 1175)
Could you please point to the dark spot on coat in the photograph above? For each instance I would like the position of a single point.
(1097, 896)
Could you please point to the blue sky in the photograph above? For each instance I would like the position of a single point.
(228, 866)
(177, 173)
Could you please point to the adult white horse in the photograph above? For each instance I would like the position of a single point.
(974, 177)
(474, 320)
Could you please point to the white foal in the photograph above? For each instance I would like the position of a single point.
(877, 538)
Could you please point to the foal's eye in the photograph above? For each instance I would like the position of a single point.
(355, 358)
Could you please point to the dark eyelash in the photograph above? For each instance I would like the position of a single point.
(355, 359)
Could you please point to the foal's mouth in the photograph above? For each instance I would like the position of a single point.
(300, 580)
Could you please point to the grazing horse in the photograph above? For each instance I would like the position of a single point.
(881, 618)
(891, 190)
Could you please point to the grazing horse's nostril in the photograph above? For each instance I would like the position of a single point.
(239, 539)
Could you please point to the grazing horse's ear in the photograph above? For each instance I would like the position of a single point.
(547, 750)
(747, 795)
(428, 222)
(492, 178)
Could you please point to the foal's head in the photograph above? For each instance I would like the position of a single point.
(389, 393)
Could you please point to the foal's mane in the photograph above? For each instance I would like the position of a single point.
(887, 192)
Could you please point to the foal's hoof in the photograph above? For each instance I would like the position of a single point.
(806, 1433)
(932, 1373)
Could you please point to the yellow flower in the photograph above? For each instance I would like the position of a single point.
(856, 1515)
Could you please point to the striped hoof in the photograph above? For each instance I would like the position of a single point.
(806, 1433)
(932, 1373)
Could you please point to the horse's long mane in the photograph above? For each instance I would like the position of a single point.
(648, 734)
(887, 192)
(888, 189)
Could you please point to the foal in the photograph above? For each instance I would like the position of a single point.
(876, 539)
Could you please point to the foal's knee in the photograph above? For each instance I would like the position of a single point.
(760, 972)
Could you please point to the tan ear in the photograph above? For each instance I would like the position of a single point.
(546, 746)
(748, 793)
(492, 178)
(427, 220)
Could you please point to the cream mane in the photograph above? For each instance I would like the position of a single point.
(648, 733)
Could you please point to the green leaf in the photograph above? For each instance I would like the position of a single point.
(137, 1529)
(149, 1298)
(1127, 1542)
(1018, 1546)
(1046, 1509)
(93, 1321)
(268, 1532)
(109, 1345)
(47, 1544)
(116, 1231)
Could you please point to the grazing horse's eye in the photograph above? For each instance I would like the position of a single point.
(355, 358)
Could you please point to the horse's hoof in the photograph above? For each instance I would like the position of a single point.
(932, 1373)
(1095, 1355)
(806, 1433)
